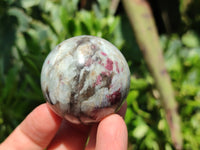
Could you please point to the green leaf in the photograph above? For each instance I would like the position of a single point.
(104, 5)
(87, 18)
(29, 3)
(35, 87)
(22, 17)
(132, 96)
(9, 90)
(138, 84)
(29, 63)
(193, 58)
(140, 131)
(189, 89)
(71, 27)
(190, 39)
(70, 5)
(129, 116)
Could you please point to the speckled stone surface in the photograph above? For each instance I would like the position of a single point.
(84, 79)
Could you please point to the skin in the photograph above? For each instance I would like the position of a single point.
(42, 129)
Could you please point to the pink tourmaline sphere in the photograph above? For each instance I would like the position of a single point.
(84, 79)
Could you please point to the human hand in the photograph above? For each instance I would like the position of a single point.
(42, 129)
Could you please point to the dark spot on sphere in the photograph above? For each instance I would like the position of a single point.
(82, 41)
(114, 97)
(48, 96)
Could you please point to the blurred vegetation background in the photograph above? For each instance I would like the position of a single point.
(30, 29)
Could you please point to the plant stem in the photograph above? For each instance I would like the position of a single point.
(114, 6)
(142, 22)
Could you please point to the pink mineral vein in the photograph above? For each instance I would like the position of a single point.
(114, 97)
(117, 67)
(100, 62)
(104, 54)
(99, 79)
(109, 64)
(105, 73)
(88, 62)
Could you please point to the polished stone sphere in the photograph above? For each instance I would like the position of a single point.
(85, 79)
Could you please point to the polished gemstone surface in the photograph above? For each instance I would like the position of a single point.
(84, 79)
